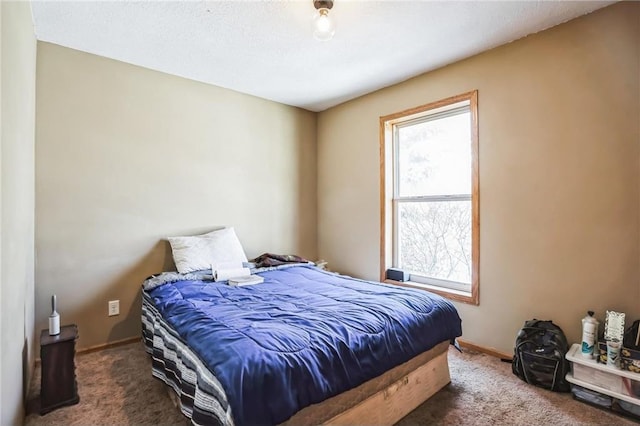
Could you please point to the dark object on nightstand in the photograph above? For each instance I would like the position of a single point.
(58, 386)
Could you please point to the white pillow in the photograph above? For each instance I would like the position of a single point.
(201, 251)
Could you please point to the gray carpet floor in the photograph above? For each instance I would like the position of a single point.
(116, 388)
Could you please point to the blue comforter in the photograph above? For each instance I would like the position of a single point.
(302, 336)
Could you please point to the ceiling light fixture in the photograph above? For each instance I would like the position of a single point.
(323, 26)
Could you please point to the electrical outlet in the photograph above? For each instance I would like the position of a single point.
(114, 307)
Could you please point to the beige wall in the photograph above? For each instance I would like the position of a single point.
(126, 156)
(17, 120)
(559, 117)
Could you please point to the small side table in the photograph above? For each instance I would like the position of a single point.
(58, 386)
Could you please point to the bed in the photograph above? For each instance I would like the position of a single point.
(306, 346)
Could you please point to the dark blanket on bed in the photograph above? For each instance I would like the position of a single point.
(302, 336)
(266, 260)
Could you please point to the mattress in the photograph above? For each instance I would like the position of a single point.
(259, 354)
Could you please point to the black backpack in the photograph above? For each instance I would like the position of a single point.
(539, 355)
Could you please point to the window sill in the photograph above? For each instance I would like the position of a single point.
(458, 296)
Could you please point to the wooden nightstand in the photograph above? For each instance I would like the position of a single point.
(58, 386)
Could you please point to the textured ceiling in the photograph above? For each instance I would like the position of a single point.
(266, 48)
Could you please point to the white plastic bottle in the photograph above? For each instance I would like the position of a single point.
(589, 334)
(54, 318)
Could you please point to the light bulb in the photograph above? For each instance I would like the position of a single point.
(323, 26)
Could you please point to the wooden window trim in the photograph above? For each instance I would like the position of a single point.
(386, 194)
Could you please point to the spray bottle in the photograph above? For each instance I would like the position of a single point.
(589, 333)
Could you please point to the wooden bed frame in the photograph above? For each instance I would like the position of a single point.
(388, 406)
(386, 399)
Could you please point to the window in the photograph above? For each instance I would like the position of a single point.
(429, 196)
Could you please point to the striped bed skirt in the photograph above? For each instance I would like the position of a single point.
(201, 397)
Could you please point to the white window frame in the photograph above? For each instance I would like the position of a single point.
(390, 200)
